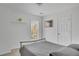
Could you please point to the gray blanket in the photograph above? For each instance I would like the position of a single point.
(42, 48)
(66, 51)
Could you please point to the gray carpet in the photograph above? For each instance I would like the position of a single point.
(14, 52)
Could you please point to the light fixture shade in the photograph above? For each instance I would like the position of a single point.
(39, 4)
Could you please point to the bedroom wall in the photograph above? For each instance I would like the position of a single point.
(75, 27)
(11, 33)
(51, 34)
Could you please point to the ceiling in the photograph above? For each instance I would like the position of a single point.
(42, 10)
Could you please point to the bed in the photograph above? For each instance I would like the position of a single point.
(38, 48)
(45, 48)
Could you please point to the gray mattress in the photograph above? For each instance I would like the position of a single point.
(41, 48)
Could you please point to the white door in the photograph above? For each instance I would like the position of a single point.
(64, 30)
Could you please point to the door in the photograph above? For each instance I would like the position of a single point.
(64, 32)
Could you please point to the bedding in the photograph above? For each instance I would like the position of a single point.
(39, 48)
(45, 48)
(74, 46)
(66, 51)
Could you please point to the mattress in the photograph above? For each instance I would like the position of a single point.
(42, 48)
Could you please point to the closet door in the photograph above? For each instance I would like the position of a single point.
(64, 32)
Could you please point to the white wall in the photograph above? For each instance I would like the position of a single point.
(12, 33)
(75, 25)
(51, 34)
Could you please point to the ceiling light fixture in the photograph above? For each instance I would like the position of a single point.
(39, 4)
(41, 13)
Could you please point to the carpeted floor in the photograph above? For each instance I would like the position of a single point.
(14, 52)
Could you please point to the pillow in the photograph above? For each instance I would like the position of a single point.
(75, 46)
(66, 51)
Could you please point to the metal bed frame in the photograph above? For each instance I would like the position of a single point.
(21, 43)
